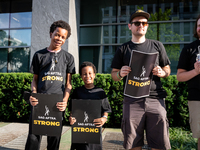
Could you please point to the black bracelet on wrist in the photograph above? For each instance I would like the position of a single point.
(120, 75)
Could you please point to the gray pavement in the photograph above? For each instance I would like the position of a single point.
(13, 137)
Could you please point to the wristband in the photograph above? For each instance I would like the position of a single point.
(105, 116)
(118, 75)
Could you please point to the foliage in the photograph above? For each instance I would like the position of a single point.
(182, 139)
(160, 16)
(164, 32)
(14, 108)
(2, 36)
(173, 51)
(176, 102)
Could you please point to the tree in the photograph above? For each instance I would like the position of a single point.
(164, 33)
(3, 38)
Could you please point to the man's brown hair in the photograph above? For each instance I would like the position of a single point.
(195, 28)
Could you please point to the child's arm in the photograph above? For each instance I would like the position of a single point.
(33, 100)
(68, 86)
(101, 121)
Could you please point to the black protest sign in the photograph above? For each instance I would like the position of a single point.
(46, 118)
(84, 130)
(138, 81)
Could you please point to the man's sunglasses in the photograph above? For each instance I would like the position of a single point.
(137, 23)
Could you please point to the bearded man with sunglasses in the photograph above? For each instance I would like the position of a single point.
(147, 113)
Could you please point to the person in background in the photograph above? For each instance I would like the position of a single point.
(188, 70)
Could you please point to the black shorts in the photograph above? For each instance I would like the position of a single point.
(145, 114)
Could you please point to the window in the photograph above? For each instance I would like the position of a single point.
(15, 35)
(105, 26)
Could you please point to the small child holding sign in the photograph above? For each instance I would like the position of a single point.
(90, 91)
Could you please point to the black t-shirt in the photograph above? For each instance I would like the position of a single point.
(186, 61)
(123, 54)
(94, 93)
(52, 75)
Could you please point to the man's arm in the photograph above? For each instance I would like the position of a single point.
(167, 71)
(184, 75)
(162, 72)
(118, 74)
(114, 74)
(68, 86)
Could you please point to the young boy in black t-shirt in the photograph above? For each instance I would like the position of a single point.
(90, 91)
(52, 68)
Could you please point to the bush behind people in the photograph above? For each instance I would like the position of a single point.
(13, 107)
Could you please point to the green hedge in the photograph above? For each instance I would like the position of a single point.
(13, 107)
(176, 102)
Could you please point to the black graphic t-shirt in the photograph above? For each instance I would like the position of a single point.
(123, 54)
(186, 62)
(94, 93)
(51, 69)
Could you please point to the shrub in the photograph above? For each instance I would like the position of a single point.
(13, 107)
(176, 102)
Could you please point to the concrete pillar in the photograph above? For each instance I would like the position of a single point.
(73, 40)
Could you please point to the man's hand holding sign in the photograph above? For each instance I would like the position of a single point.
(138, 80)
(161, 72)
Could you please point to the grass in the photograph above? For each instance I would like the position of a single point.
(182, 140)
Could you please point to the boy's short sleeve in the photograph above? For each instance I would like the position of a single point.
(35, 65)
(106, 106)
(71, 65)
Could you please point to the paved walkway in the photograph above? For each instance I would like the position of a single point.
(13, 137)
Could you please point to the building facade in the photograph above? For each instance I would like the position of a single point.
(98, 28)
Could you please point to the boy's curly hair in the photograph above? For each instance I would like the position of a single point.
(62, 24)
(85, 64)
